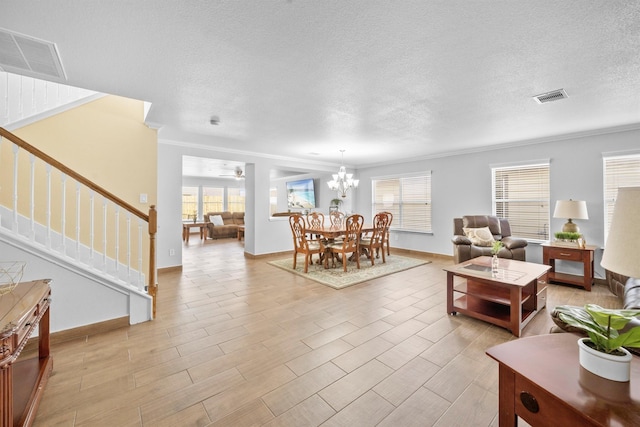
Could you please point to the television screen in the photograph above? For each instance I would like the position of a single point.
(301, 194)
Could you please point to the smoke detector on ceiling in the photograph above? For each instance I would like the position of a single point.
(554, 95)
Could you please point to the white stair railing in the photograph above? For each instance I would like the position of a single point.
(33, 185)
(25, 97)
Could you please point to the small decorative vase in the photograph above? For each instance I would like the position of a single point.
(494, 264)
(609, 366)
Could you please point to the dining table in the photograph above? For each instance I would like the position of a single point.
(331, 232)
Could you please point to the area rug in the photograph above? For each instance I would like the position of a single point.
(338, 279)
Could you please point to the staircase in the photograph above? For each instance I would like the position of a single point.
(98, 249)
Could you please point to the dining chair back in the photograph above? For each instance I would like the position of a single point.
(315, 220)
(385, 242)
(301, 244)
(376, 239)
(351, 241)
(336, 218)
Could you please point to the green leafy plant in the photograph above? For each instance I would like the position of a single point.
(336, 202)
(604, 326)
(567, 235)
(496, 246)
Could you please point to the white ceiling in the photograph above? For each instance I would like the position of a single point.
(384, 80)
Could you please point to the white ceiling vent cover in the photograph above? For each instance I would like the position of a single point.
(554, 95)
(29, 56)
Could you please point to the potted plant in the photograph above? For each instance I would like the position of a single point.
(495, 248)
(335, 204)
(568, 238)
(602, 353)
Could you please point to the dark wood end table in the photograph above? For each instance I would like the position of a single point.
(542, 382)
(551, 253)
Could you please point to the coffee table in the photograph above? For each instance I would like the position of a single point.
(186, 226)
(509, 298)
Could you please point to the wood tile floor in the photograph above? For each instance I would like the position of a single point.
(238, 342)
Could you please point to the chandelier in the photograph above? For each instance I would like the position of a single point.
(342, 181)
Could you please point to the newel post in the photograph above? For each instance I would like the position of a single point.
(153, 228)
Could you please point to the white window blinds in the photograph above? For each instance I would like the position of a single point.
(521, 195)
(619, 171)
(408, 198)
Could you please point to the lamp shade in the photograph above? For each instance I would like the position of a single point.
(574, 209)
(622, 250)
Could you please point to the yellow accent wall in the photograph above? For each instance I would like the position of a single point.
(106, 141)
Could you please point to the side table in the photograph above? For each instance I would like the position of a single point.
(22, 381)
(542, 382)
(551, 253)
(186, 226)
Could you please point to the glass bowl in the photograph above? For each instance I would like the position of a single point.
(10, 275)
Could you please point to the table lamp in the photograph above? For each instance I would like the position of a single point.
(571, 209)
(623, 243)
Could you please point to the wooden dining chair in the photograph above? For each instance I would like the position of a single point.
(375, 240)
(350, 243)
(302, 245)
(385, 240)
(315, 220)
(336, 218)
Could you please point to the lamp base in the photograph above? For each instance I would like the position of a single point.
(570, 227)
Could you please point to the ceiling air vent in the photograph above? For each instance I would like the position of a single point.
(554, 95)
(29, 56)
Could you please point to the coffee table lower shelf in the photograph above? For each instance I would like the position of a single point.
(489, 311)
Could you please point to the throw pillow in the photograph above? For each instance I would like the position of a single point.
(479, 236)
(217, 220)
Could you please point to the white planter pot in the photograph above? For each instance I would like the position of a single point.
(611, 367)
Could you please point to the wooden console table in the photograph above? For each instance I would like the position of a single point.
(551, 253)
(21, 310)
(542, 382)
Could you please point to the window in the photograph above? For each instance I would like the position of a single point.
(619, 171)
(235, 199)
(273, 201)
(189, 203)
(521, 195)
(408, 198)
(212, 199)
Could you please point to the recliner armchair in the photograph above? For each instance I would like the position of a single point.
(464, 249)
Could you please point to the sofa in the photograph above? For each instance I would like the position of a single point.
(627, 291)
(465, 249)
(221, 225)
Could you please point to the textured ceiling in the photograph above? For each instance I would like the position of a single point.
(384, 80)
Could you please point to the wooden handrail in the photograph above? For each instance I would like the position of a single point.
(71, 173)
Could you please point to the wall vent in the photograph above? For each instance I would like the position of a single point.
(20, 54)
(554, 95)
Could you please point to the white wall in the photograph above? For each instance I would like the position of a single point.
(461, 185)
(76, 299)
